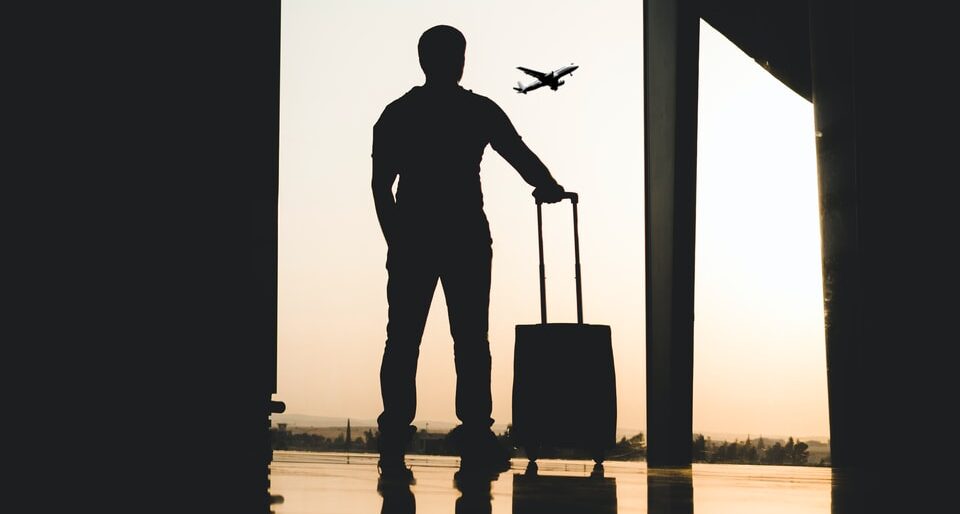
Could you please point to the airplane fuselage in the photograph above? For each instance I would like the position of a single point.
(551, 79)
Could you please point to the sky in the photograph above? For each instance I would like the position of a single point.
(760, 363)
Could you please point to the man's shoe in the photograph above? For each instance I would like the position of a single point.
(392, 444)
(394, 472)
(482, 453)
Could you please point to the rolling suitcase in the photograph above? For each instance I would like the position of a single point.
(564, 386)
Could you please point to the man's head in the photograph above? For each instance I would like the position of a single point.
(441, 50)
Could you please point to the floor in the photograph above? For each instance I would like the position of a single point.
(303, 482)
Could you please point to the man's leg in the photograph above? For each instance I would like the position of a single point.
(466, 285)
(410, 289)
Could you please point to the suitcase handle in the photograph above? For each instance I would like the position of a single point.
(574, 200)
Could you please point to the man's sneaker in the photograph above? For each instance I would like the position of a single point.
(394, 472)
(481, 452)
(391, 446)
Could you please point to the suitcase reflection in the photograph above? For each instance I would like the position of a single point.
(536, 494)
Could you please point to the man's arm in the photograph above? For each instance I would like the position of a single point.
(386, 204)
(507, 142)
(384, 174)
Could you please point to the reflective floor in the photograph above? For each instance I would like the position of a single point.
(305, 482)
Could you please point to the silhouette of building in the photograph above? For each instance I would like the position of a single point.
(875, 75)
(169, 217)
(429, 443)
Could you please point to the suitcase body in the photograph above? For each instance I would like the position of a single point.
(564, 385)
(564, 390)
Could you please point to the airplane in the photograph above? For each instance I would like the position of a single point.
(551, 79)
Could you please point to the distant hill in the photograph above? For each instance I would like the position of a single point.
(330, 432)
(307, 420)
(770, 438)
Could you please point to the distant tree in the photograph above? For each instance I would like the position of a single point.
(719, 453)
(504, 438)
(279, 439)
(800, 453)
(631, 448)
(370, 440)
(639, 445)
(774, 455)
(699, 448)
(732, 455)
(622, 448)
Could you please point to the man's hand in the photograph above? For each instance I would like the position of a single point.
(549, 194)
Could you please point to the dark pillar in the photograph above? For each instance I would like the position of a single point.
(670, 491)
(176, 140)
(671, 59)
(888, 207)
(833, 101)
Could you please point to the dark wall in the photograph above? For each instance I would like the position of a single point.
(881, 100)
(884, 107)
(151, 137)
(143, 208)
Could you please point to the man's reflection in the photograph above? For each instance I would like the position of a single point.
(397, 497)
(534, 493)
(669, 491)
(475, 496)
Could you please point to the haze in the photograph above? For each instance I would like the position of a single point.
(759, 346)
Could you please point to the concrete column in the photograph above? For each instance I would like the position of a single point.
(671, 60)
(834, 118)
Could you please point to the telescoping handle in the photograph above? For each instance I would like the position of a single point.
(574, 200)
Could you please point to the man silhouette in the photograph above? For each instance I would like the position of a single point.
(433, 138)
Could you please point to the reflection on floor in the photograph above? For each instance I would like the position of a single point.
(304, 482)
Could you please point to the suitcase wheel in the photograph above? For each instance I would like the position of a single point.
(532, 450)
(598, 456)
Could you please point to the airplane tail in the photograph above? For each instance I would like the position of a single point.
(519, 88)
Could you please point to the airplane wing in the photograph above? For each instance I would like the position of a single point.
(532, 72)
(531, 87)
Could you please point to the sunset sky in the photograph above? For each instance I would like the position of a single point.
(759, 347)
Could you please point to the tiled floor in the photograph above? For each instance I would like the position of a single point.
(339, 483)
